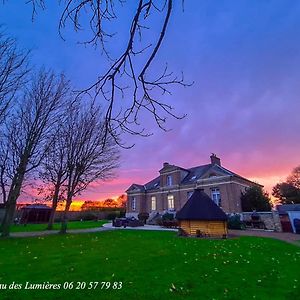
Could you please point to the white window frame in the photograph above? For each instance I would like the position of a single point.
(171, 202)
(169, 180)
(153, 203)
(133, 203)
(216, 196)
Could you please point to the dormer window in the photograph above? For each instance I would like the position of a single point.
(169, 180)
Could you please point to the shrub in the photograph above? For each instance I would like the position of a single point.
(170, 223)
(88, 217)
(234, 222)
(168, 217)
(122, 213)
(143, 217)
(159, 221)
(112, 215)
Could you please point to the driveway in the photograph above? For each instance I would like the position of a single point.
(283, 236)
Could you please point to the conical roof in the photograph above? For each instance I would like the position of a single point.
(201, 207)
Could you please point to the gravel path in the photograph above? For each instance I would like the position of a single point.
(49, 232)
(283, 236)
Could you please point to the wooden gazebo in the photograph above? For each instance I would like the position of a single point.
(200, 216)
(35, 213)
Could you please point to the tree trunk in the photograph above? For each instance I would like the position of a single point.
(8, 218)
(64, 220)
(52, 215)
(54, 206)
(10, 206)
(13, 195)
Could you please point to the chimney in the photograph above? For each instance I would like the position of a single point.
(165, 164)
(215, 160)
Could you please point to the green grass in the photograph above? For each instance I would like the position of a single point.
(71, 225)
(151, 265)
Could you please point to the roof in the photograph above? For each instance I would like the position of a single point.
(153, 184)
(136, 186)
(192, 176)
(36, 206)
(201, 207)
(284, 208)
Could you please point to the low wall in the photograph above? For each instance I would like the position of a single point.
(76, 215)
(88, 215)
(270, 218)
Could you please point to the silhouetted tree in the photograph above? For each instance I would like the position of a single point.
(90, 157)
(110, 202)
(294, 178)
(91, 205)
(13, 72)
(131, 74)
(286, 193)
(28, 133)
(54, 168)
(122, 200)
(255, 198)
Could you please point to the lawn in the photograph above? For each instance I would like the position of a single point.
(71, 225)
(150, 265)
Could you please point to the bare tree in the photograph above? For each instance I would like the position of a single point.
(28, 133)
(3, 170)
(13, 72)
(54, 168)
(90, 157)
(54, 173)
(131, 84)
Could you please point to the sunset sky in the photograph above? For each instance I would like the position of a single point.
(244, 59)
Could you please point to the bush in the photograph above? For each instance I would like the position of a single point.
(88, 217)
(170, 223)
(122, 213)
(234, 222)
(168, 217)
(143, 217)
(112, 215)
(158, 221)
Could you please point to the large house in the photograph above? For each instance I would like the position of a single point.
(172, 188)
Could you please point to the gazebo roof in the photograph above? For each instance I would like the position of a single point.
(201, 207)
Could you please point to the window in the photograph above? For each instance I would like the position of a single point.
(169, 180)
(133, 203)
(153, 203)
(216, 196)
(189, 194)
(171, 202)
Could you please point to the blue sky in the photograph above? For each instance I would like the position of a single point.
(244, 57)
